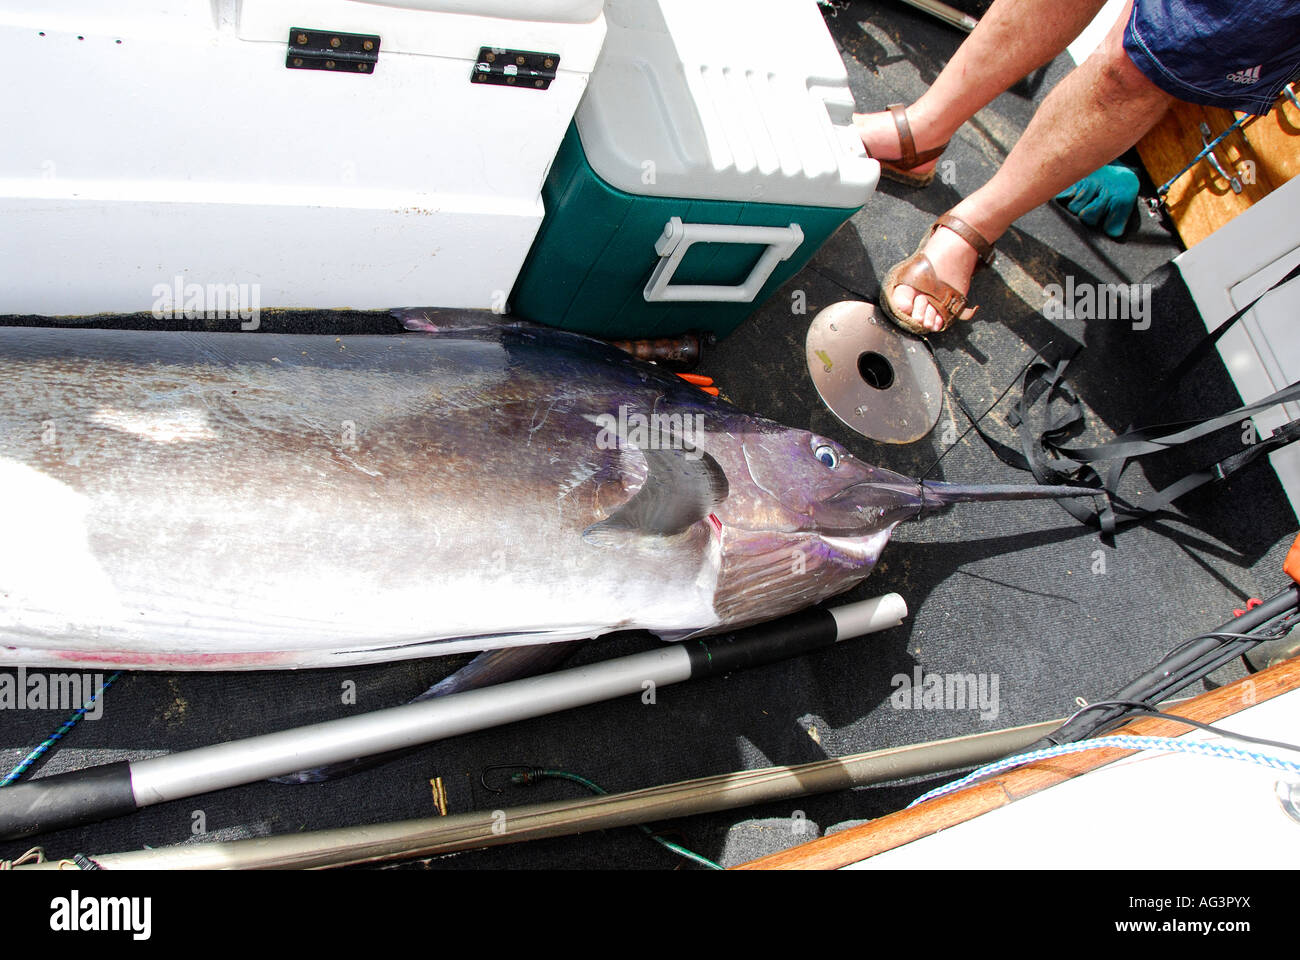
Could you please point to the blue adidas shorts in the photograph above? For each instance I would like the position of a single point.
(1237, 54)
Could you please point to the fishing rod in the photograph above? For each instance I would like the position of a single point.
(110, 790)
(1186, 665)
(406, 839)
(1193, 659)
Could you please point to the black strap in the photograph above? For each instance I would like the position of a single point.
(1288, 433)
(1044, 454)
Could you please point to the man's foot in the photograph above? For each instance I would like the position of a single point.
(885, 137)
(954, 262)
(926, 292)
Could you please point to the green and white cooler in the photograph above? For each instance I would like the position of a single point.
(711, 155)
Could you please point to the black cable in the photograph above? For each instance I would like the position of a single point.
(1149, 710)
(1188, 662)
(961, 405)
(1197, 670)
(1213, 659)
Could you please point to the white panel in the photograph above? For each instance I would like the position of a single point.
(1095, 32)
(1272, 326)
(1224, 272)
(304, 257)
(551, 11)
(418, 31)
(156, 142)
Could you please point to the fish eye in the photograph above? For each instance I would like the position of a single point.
(827, 455)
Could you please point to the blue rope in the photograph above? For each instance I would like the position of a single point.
(1205, 151)
(1164, 744)
(45, 744)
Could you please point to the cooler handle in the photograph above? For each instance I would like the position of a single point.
(781, 243)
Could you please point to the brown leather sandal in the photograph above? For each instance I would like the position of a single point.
(918, 273)
(901, 169)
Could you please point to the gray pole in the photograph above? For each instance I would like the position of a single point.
(243, 761)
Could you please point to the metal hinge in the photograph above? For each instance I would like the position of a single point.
(331, 50)
(515, 68)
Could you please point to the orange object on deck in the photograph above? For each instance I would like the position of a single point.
(700, 382)
(1291, 566)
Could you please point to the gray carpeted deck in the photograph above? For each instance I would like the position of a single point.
(1003, 590)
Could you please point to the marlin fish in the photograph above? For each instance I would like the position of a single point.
(219, 501)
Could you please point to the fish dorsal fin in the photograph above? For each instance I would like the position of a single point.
(681, 488)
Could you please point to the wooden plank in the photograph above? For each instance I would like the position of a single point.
(1201, 201)
(1275, 142)
(904, 826)
(1265, 150)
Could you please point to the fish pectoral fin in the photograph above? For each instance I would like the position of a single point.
(616, 534)
(681, 488)
(609, 533)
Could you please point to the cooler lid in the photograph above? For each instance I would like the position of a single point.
(744, 100)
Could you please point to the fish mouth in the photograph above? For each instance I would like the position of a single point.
(877, 490)
(859, 509)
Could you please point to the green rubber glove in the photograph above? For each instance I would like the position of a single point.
(1104, 198)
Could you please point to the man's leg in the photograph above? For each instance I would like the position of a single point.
(1014, 38)
(1097, 112)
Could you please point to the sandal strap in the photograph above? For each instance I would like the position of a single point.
(899, 112)
(910, 157)
(968, 233)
